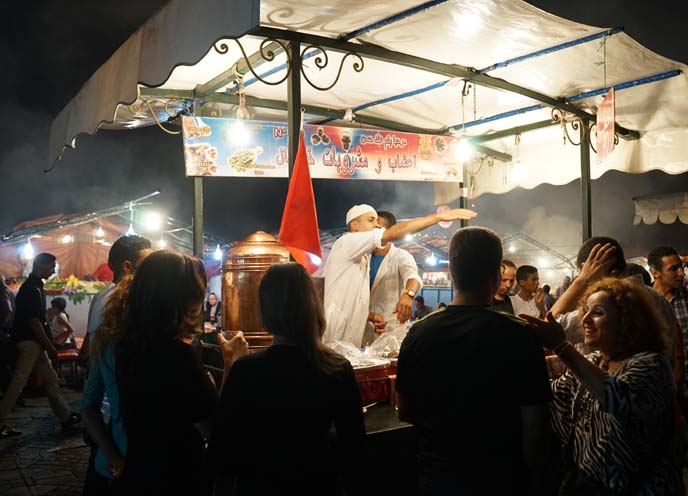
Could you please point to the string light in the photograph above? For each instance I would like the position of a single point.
(28, 250)
(152, 221)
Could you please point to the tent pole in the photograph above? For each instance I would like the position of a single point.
(198, 218)
(463, 197)
(586, 197)
(462, 204)
(294, 102)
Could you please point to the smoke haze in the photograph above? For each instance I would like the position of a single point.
(50, 48)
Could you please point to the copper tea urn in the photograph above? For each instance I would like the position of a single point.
(244, 267)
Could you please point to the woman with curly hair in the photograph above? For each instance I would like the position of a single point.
(159, 394)
(613, 409)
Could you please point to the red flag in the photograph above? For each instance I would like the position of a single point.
(299, 229)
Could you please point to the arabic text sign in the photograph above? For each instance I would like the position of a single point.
(351, 153)
(605, 127)
(225, 147)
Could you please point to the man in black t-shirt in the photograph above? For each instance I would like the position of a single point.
(501, 300)
(474, 382)
(32, 338)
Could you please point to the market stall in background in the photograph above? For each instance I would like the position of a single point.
(81, 242)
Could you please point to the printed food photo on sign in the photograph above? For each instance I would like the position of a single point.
(345, 136)
(201, 159)
(194, 127)
(242, 160)
(320, 137)
(440, 145)
(231, 147)
(425, 146)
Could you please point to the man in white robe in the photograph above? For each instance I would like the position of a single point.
(347, 269)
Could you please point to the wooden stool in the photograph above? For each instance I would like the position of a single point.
(68, 357)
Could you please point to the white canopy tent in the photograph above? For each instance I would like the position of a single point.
(492, 70)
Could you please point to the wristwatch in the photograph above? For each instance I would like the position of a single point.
(410, 292)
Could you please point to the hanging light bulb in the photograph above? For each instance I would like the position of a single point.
(408, 237)
(463, 151)
(217, 255)
(67, 239)
(130, 231)
(99, 232)
(27, 250)
(162, 244)
(238, 134)
(431, 260)
(518, 172)
(512, 249)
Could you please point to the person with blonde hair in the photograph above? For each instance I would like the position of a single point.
(613, 409)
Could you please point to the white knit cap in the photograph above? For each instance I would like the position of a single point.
(357, 211)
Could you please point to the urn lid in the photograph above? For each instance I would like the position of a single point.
(258, 244)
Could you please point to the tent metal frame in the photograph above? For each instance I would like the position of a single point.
(123, 211)
(278, 41)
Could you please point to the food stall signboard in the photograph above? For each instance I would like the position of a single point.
(230, 147)
(605, 127)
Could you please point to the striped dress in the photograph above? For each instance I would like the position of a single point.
(626, 434)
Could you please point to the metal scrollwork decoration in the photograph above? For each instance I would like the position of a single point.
(485, 160)
(565, 120)
(271, 47)
(135, 108)
(172, 112)
(322, 60)
(267, 53)
(593, 132)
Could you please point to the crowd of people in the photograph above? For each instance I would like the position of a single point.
(472, 375)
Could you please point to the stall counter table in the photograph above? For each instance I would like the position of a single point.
(391, 465)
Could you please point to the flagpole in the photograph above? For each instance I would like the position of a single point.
(294, 117)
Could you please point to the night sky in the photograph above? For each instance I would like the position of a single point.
(50, 48)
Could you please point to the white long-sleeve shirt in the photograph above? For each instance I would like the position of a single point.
(347, 285)
(396, 269)
(95, 311)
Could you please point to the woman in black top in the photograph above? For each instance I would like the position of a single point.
(165, 396)
(271, 434)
